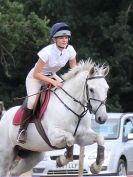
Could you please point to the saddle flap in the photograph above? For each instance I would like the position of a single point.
(43, 103)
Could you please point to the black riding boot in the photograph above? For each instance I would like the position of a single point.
(22, 134)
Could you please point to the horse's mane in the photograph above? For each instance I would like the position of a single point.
(86, 65)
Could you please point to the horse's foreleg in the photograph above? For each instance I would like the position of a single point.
(100, 155)
(26, 164)
(69, 152)
(67, 157)
(60, 137)
(96, 166)
(89, 138)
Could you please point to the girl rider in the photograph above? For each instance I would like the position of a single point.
(51, 59)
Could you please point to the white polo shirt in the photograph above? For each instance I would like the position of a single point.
(54, 58)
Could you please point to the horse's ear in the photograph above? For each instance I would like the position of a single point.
(105, 71)
(92, 71)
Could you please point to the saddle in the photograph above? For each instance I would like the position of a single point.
(39, 108)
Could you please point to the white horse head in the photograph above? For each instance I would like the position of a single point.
(84, 88)
(90, 77)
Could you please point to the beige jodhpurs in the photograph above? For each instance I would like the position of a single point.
(33, 86)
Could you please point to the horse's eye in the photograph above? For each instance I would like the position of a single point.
(91, 90)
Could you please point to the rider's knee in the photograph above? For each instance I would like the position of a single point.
(31, 102)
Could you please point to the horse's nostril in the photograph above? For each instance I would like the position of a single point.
(100, 120)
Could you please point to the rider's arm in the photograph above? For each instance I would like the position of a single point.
(38, 75)
(72, 62)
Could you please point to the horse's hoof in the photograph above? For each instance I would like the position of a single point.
(61, 161)
(58, 162)
(95, 169)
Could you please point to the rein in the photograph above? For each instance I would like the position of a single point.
(21, 98)
(80, 116)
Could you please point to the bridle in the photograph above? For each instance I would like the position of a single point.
(85, 107)
(102, 102)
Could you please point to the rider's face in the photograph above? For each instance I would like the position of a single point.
(61, 41)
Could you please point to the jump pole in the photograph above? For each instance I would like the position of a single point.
(81, 161)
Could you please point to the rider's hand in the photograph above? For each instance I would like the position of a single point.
(56, 83)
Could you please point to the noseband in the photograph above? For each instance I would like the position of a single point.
(89, 106)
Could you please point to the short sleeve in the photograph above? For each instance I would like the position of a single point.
(43, 54)
(72, 53)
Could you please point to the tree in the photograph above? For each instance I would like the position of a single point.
(102, 30)
(20, 38)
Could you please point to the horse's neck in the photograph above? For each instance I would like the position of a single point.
(75, 89)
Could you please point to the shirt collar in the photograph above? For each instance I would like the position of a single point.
(59, 52)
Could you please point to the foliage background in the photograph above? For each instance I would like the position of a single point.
(101, 29)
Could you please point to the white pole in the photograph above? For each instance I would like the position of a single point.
(81, 161)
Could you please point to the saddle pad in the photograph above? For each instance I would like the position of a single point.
(18, 115)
